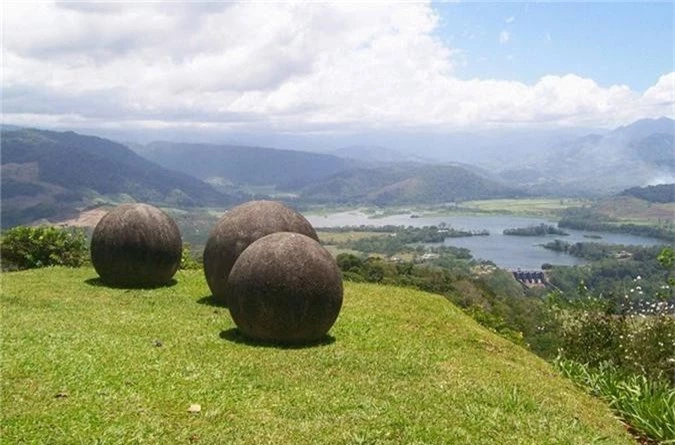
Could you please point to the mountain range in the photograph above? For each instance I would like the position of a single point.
(639, 154)
(244, 165)
(47, 174)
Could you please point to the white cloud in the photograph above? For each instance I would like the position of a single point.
(504, 37)
(279, 66)
(510, 19)
(661, 93)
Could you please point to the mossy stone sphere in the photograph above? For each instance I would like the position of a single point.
(240, 227)
(285, 288)
(136, 246)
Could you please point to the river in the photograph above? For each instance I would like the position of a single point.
(507, 251)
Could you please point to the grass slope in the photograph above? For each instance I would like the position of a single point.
(81, 364)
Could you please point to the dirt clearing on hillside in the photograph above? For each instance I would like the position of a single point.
(88, 218)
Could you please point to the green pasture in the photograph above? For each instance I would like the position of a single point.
(84, 363)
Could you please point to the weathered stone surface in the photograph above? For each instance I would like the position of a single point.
(240, 227)
(136, 245)
(285, 288)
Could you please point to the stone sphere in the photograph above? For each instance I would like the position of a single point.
(285, 288)
(237, 229)
(136, 245)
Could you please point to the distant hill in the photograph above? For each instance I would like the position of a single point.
(46, 174)
(376, 155)
(646, 127)
(634, 155)
(245, 165)
(656, 149)
(663, 193)
(406, 184)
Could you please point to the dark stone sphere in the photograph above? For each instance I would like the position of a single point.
(136, 245)
(285, 288)
(237, 229)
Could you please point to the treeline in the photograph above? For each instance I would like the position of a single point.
(399, 239)
(586, 219)
(536, 230)
(662, 193)
(439, 232)
(593, 251)
(617, 273)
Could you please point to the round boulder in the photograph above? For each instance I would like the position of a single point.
(136, 245)
(240, 227)
(285, 288)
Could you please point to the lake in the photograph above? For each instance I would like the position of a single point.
(510, 252)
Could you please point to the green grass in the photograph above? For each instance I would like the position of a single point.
(649, 406)
(332, 238)
(631, 210)
(82, 363)
(541, 207)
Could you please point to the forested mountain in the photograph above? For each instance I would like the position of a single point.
(245, 165)
(406, 184)
(47, 173)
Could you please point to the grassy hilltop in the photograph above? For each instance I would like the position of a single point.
(83, 363)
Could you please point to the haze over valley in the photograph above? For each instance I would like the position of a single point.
(49, 174)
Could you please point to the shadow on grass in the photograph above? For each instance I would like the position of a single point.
(235, 336)
(96, 282)
(210, 300)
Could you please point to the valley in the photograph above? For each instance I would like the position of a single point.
(232, 222)
(70, 180)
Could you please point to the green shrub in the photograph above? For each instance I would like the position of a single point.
(635, 335)
(32, 247)
(638, 338)
(648, 405)
(187, 261)
(495, 323)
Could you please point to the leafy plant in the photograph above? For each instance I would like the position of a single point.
(187, 261)
(623, 351)
(638, 338)
(648, 405)
(32, 247)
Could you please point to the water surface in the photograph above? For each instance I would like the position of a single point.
(511, 252)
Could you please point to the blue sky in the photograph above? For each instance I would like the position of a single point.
(612, 43)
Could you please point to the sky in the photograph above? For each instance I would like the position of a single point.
(335, 67)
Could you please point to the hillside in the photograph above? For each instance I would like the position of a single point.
(48, 174)
(400, 367)
(406, 184)
(244, 165)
